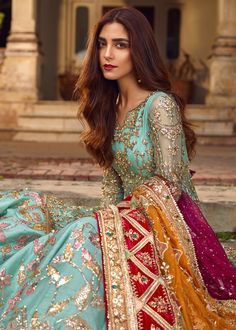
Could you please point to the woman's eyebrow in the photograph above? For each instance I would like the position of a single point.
(120, 39)
(115, 39)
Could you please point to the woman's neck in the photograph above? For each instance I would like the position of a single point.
(130, 94)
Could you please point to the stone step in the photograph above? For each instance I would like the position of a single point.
(217, 202)
(57, 121)
(7, 134)
(217, 140)
(46, 136)
(203, 112)
(70, 109)
(66, 121)
(49, 121)
(213, 127)
(50, 109)
(43, 136)
(50, 124)
(68, 124)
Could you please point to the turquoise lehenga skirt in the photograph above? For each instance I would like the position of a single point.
(51, 274)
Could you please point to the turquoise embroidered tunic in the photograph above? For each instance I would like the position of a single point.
(150, 142)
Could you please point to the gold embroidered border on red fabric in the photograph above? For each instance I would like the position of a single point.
(149, 302)
(124, 305)
(120, 303)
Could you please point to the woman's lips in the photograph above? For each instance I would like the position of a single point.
(109, 67)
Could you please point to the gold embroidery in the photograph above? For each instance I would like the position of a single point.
(121, 314)
(145, 258)
(58, 307)
(21, 277)
(82, 297)
(97, 302)
(55, 275)
(90, 263)
(36, 324)
(75, 322)
(142, 279)
(68, 252)
(159, 304)
(133, 236)
(64, 280)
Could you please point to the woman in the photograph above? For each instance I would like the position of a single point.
(151, 261)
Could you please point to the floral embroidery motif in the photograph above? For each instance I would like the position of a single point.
(58, 307)
(159, 304)
(2, 235)
(78, 237)
(21, 275)
(142, 279)
(132, 235)
(4, 278)
(68, 252)
(145, 258)
(75, 322)
(82, 297)
(94, 238)
(90, 263)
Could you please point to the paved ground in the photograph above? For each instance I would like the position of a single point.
(214, 165)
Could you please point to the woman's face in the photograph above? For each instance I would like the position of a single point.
(114, 52)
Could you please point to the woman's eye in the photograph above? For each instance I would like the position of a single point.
(101, 44)
(121, 45)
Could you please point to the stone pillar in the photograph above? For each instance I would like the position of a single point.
(19, 77)
(222, 89)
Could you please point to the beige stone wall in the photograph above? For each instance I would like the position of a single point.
(199, 25)
(222, 87)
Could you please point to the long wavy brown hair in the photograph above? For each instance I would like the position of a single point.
(97, 96)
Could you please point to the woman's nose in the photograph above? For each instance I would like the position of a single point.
(108, 52)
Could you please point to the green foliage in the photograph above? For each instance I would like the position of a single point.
(2, 16)
(225, 235)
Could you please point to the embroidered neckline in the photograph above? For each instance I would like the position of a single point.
(136, 109)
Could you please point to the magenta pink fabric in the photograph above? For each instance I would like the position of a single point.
(217, 271)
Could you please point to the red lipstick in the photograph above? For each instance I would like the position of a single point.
(109, 67)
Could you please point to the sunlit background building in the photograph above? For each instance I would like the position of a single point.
(43, 43)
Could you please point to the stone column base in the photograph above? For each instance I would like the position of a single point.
(20, 73)
(19, 77)
(223, 82)
(10, 112)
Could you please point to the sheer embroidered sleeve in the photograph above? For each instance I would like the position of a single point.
(167, 135)
(112, 190)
